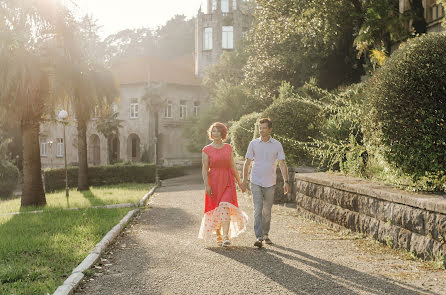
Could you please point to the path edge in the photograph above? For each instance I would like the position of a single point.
(71, 283)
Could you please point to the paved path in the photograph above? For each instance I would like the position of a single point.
(160, 254)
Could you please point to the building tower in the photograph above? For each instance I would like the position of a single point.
(219, 25)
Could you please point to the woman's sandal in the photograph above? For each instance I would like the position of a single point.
(226, 242)
(219, 241)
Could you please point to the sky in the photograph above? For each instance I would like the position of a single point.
(116, 15)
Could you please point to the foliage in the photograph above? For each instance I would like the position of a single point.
(175, 38)
(295, 123)
(297, 40)
(340, 146)
(109, 174)
(171, 172)
(100, 175)
(242, 132)
(406, 108)
(9, 175)
(382, 24)
(30, 31)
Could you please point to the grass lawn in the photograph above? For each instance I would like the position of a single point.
(39, 251)
(96, 196)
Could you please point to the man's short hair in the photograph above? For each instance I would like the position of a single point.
(266, 120)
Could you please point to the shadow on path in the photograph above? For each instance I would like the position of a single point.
(325, 277)
(170, 219)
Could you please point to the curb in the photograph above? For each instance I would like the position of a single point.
(77, 274)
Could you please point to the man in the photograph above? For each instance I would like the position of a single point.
(265, 152)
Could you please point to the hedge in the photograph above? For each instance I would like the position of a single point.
(9, 175)
(294, 121)
(406, 105)
(242, 132)
(109, 174)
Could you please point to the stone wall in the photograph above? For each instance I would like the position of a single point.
(416, 222)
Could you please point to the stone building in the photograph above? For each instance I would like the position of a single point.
(219, 25)
(433, 13)
(181, 96)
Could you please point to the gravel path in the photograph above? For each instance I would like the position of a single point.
(159, 253)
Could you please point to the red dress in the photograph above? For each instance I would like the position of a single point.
(224, 195)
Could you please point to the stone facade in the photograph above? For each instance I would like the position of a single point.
(433, 14)
(238, 15)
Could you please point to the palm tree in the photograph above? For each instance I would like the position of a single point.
(27, 31)
(91, 83)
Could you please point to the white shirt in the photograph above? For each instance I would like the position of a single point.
(265, 155)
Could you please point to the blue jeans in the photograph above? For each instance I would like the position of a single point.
(263, 199)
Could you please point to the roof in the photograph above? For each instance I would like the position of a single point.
(177, 70)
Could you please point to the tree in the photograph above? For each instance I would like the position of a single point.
(130, 43)
(297, 40)
(176, 37)
(28, 29)
(91, 85)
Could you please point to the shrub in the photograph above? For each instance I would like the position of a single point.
(100, 175)
(171, 172)
(242, 132)
(9, 175)
(340, 146)
(406, 105)
(294, 122)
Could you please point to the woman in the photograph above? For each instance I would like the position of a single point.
(219, 174)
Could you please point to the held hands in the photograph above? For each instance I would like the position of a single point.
(242, 186)
(209, 190)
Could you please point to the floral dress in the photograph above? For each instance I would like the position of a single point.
(222, 182)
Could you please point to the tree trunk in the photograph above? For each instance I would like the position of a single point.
(82, 152)
(32, 193)
(109, 150)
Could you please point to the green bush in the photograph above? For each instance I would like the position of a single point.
(242, 132)
(171, 172)
(100, 175)
(406, 105)
(294, 121)
(9, 175)
(341, 146)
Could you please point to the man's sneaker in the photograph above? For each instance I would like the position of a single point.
(267, 240)
(258, 243)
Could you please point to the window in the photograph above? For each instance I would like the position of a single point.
(225, 6)
(207, 39)
(183, 109)
(60, 147)
(234, 4)
(43, 147)
(214, 5)
(134, 110)
(168, 110)
(134, 142)
(196, 108)
(228, 37)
